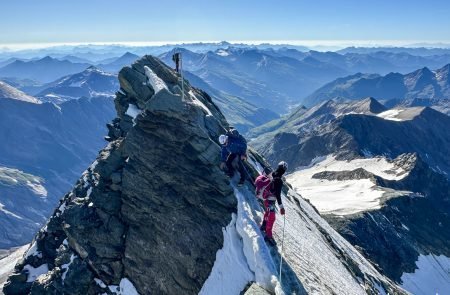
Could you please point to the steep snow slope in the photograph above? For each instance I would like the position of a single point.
(8, 261)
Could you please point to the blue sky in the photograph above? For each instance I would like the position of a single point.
(47, 21)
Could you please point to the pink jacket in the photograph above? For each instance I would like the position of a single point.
(262, 184)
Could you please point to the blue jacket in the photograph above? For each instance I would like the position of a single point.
(233, 146)
(237, 145)
(224, 153)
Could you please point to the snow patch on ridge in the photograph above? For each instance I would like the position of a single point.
(198, 102)
(391, 115)
(124, 288)
(230, 273)
(244, 257)
(65, 267)
(401, 114)
(34, 273)
(32, 251)
(222, 52)
(157, 83)
(133, 111)
(431, 277)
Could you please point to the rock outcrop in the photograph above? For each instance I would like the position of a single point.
(148, 214)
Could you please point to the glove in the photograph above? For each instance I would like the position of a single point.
(282, 211)
(243, 157)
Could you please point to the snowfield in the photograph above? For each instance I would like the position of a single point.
(346, 196)
(431, 277)
(401, 114)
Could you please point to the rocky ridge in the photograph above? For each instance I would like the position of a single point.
(133, 197)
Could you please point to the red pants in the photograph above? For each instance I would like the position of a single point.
(269, 216)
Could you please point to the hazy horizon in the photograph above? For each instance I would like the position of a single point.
(313, 44)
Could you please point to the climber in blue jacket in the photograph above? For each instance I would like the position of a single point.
(234, 146)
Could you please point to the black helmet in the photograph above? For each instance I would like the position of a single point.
(282, 166)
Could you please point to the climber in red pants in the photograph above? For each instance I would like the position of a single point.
(268, 187)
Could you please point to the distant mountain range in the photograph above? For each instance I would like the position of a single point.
(92, 82)
(274, 77)
(49, 69)
(418, 51)
(44, 147)
(44, 70)
(380, 62)
(422, 83)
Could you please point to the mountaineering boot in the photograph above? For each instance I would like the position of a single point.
(241, 182)
(270, 241)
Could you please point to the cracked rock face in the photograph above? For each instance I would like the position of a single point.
(151, 208)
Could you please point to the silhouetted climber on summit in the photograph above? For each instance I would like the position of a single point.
(176, 59)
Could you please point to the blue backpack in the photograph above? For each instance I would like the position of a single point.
(237, 144)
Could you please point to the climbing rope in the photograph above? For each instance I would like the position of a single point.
(282, 244)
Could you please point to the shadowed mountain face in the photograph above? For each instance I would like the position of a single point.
(92, 82)
(422, 83)
(43, 70)
(44, 148)
(326, 147)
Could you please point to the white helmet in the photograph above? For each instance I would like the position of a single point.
(223, 138)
